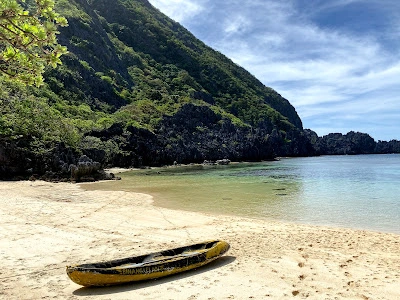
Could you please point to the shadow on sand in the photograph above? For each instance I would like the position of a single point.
(98, 291)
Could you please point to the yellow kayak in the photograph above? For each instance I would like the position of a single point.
(145, 267)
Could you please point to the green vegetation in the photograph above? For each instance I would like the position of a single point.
(25, 116)
(128, 64)
(28, 39)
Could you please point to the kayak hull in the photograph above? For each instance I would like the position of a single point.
(146, 267)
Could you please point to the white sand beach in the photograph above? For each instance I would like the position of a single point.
(47, 226)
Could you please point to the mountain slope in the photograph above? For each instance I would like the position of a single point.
(137, 88)
(137, 47)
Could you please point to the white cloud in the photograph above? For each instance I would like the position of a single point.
(178, 10)
(329, 74)
(236, 25)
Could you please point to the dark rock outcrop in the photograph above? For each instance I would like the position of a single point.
(195, 134)
(351, 143)
(88, 170)
(223, 162)
(59, 164)
(384, 147)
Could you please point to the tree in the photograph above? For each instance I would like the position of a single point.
(28, 40)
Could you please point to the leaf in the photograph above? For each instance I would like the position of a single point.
(29, 37)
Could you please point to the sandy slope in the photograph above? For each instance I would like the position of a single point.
(46, 226)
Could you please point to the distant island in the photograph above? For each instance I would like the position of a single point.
(137, 89)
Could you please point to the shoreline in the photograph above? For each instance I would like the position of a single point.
(46, 226)
(161, 199)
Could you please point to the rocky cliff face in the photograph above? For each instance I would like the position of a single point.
(194, 134)
(350, 144)
(59, 164)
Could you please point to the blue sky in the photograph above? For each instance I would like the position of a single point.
(336, 61)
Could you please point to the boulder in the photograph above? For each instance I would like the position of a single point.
(87, 170)
(224, 161)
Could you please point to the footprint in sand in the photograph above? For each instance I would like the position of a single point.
(301, 264)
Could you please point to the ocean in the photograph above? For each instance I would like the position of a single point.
(360, 192)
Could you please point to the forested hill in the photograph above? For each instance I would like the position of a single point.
(136, 88)
(127, 51)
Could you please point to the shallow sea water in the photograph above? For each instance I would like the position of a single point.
(361, 192)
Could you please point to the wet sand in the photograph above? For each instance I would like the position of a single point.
(46, 226)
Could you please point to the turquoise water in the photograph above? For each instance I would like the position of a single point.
(360, 192)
